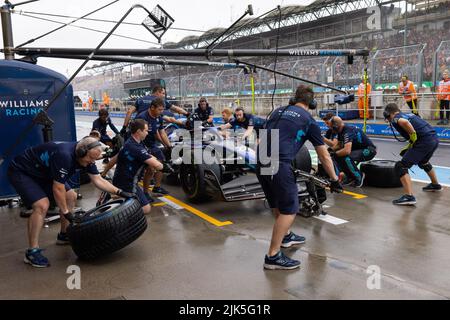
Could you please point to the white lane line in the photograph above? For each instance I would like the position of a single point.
(326, 218)
(171, 203)
(393, 140)
(440, 167)
(427, 182)
(330, 219)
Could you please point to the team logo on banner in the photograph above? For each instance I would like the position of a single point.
(17, 108)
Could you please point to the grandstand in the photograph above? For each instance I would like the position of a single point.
(415, 42)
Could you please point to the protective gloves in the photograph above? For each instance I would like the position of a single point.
(69, 216)
(412, 140)
(336, 186)
(125, 194)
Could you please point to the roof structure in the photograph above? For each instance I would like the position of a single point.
(290, 15)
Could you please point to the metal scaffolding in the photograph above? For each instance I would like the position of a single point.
(290, 16)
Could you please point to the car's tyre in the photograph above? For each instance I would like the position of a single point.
(193, 180)
(380, 174)
(106, 228)
(303, 160)
(173, 179)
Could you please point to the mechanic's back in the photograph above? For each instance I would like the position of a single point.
(296, 125)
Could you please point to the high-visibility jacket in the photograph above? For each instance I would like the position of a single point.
(361, 89)
(105, 99)
(409, 89)
(444, 89)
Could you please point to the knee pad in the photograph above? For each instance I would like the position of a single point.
(427, 167)
(401, 169)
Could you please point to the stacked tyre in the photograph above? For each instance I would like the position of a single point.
(380, 174)
(106, 228)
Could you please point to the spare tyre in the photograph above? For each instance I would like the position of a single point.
(303, 160)
(380, 174)
(106, 228)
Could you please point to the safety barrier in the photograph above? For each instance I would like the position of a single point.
(388, 65)
(441, 60)
(373, 128)
(428, 104)
(385, 68)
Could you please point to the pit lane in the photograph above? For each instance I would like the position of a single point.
(182, 256)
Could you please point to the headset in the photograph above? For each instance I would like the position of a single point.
(312, 104)
(83, 150)
(334, 125)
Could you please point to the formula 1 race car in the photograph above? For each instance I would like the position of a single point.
(231, 176)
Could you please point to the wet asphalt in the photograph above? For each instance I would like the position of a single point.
(182, 255)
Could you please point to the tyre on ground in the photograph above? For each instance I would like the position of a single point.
(380, 174)
(106, 228)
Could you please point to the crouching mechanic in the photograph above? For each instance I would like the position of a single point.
(423, 142)
(295, 125)
(131, 161)
(153, 116)
(330, 137)
(40, 175)
(353, 147)
(101, 123)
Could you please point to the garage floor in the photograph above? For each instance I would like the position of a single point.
(185, 255)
